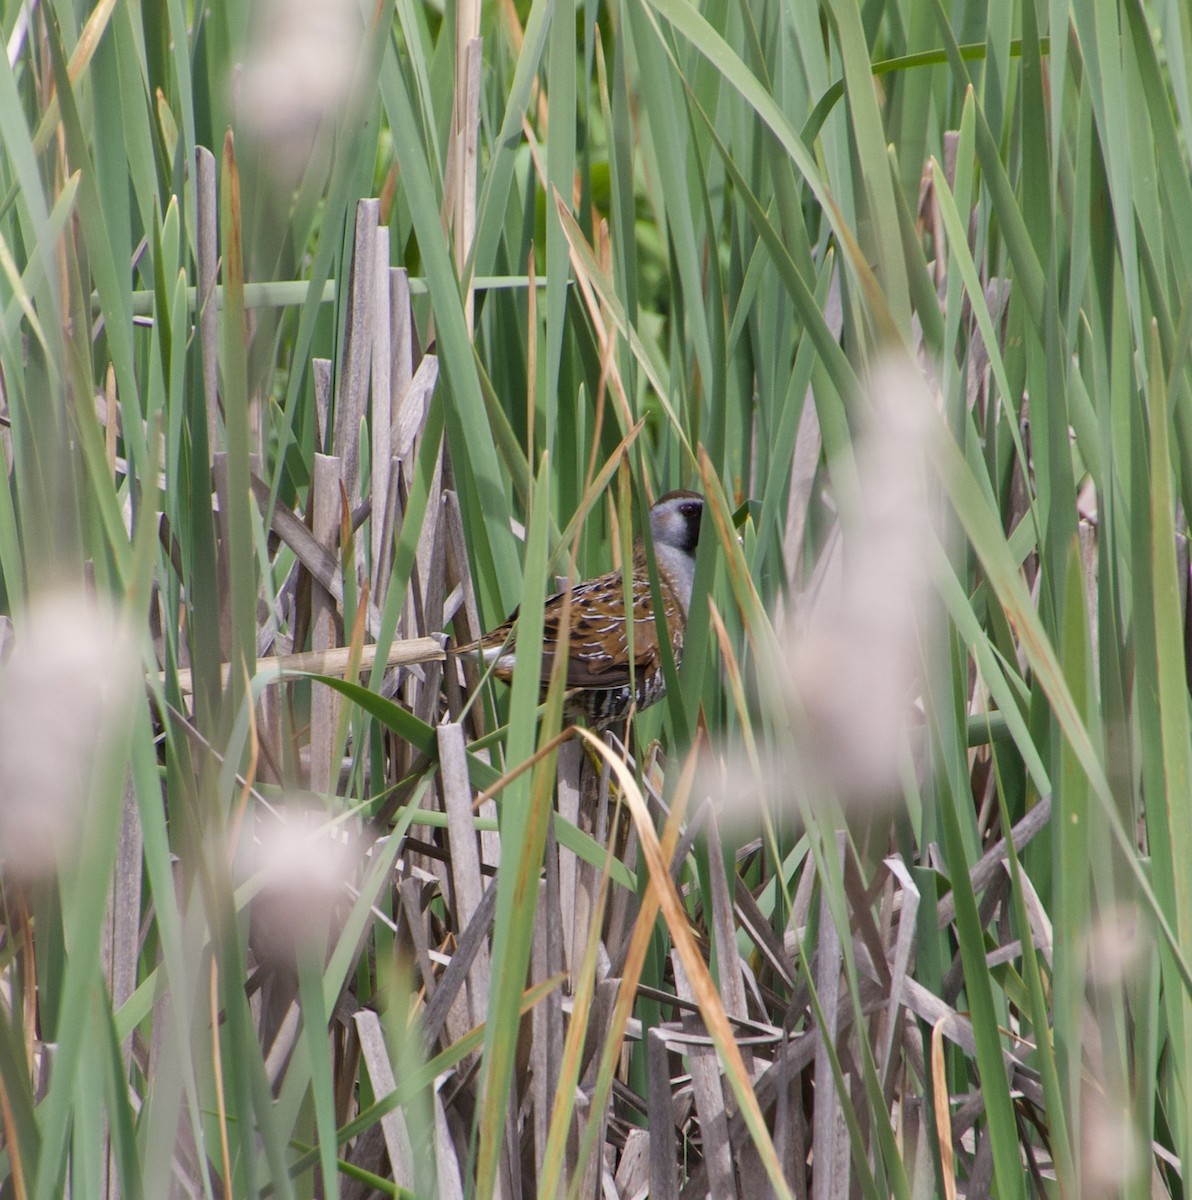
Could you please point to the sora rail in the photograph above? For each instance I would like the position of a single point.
(604, 683)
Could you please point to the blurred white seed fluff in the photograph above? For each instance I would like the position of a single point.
(299, 72)
(854, 659)
(1113, 1154)
(303, 863)
(739, 785)
(1120, 948)
(66, 691)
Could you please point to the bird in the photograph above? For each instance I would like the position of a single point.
(603, 684)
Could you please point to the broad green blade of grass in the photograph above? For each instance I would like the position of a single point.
(524, 819)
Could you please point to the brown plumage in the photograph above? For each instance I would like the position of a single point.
(598, 668)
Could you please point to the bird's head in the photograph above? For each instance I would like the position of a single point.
(674, 521)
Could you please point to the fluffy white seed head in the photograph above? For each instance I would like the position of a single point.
(304, 864)
(298, 75)
(1120, 948)
(66, 690)
(1113, 1154)
(854, 662)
